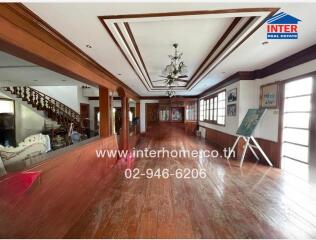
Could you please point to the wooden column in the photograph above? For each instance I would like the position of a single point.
(104, 103)
(137, 114)
(124, 120)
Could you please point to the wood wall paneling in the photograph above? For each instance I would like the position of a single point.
(105, 110)
(223, 140)
(68, 183)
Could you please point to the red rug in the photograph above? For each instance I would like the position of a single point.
(14, 186)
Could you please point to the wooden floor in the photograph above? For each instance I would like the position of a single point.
(253, 202)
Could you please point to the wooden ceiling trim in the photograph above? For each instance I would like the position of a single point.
(301, 57)
(130, 33)
(236, 35)
(196, 77)
(187, 13)
(219, 42)
(131, 53)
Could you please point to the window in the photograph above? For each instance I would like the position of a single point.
(207, 109)
(221, 110)
(213, 108)
(202, 110)
(6, 106)
(164, 113)
(191, 112)
(296, 127)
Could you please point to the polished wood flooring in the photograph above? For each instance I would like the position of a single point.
(255, 201)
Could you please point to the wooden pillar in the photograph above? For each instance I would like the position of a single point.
(137, 114)
(104, 106)
(137, 110)
(124, 120)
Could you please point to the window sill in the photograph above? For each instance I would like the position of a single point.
(214, 123)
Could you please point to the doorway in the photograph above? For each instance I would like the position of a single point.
(152, 116)
(85, 117)
(296, 129)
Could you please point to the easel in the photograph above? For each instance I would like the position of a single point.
(251, 147)
(247, 135)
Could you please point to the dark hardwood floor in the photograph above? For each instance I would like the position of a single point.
(255, 201)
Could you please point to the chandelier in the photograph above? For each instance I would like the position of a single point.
(176, 69)
(174, 72)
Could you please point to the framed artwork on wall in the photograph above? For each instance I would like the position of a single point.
(177, 114)
(269, 94)
(232, 95)
(231, 110)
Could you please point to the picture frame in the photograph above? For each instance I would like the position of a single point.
(232, 95)
(231, 110)
(269, 95)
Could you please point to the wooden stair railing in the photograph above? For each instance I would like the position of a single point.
(53, 108)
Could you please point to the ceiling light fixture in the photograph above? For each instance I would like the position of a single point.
(174, 72)
(265, 43)
(170, 92)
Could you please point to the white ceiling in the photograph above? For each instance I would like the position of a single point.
(79, 23)
(17, 72)
(164, 34)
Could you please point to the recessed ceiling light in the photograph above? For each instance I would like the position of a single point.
(265, 43)
(88, 46)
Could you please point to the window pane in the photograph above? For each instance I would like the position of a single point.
(296, 136)
(298, 169)
(221, 104)
(215, 115)
(299, 87)
(6, 106)
(296, 152)
(300, 120)
(221, 96)
(221, 120)
(221, 112)
(297, 104)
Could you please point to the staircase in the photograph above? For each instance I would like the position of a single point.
(52, 108)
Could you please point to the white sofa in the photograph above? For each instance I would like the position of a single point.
(23, 155)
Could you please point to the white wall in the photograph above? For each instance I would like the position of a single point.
(27, 120)
(231, 123)
(268, 127)
(143, 113)
(71, 96)
(248, 94)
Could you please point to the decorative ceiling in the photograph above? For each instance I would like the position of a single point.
(145, 40)
(132, 40)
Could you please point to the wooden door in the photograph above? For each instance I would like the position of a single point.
(152, 113)
(85, 116)
(117, 120)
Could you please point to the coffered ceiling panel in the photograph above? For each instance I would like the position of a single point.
(145, 40)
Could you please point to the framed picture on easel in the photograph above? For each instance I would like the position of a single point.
(269, 94)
